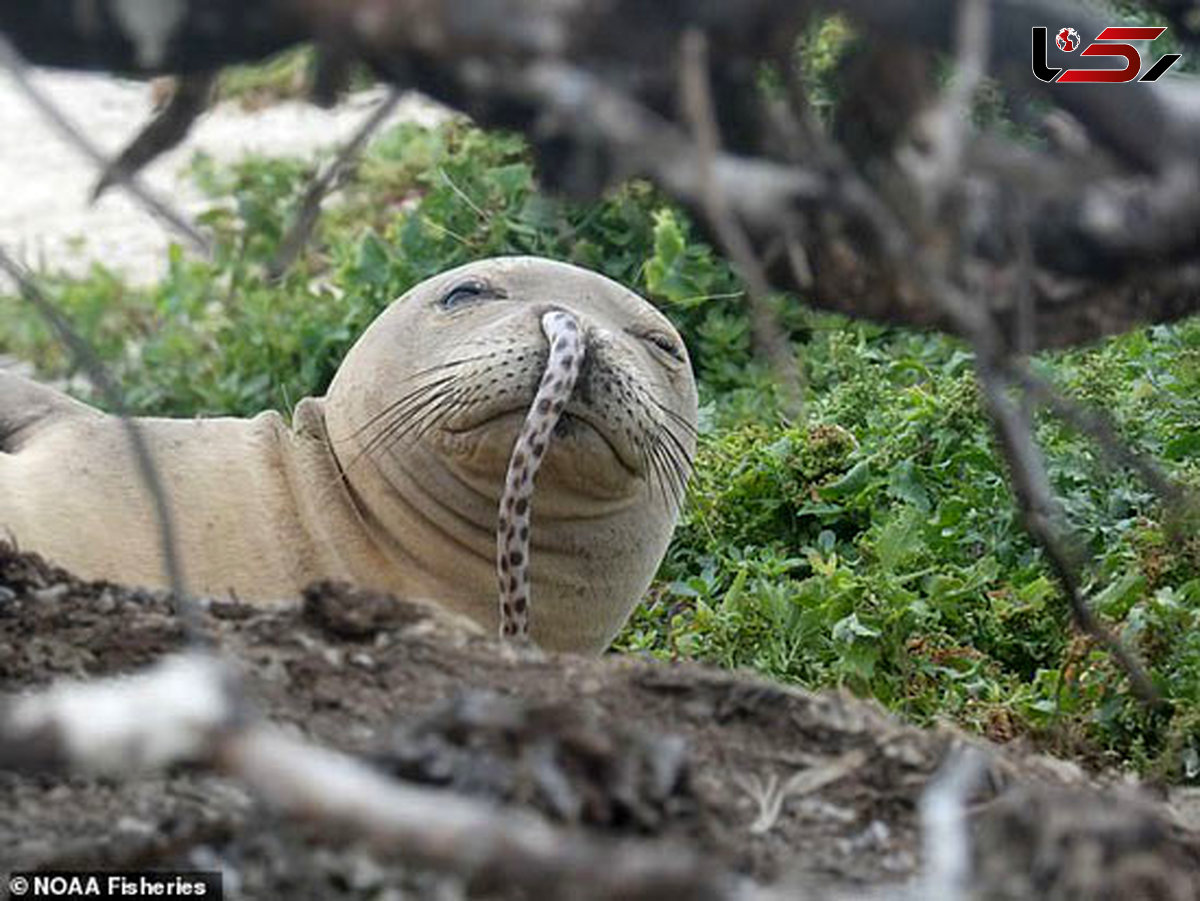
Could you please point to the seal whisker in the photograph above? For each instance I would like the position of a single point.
(666, 473)
(423, 400)
(680, 455)
(458, 361)
(670, 491)
(654, 472)
(688, 427)
(670, 450)
(440, 367)
(649, 467)
(430, 410)
(380, 439)
(677, 456)
(682, 459)
(418, 400)
(454, 403)
(392, 407)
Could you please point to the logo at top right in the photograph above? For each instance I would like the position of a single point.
(1108, 43)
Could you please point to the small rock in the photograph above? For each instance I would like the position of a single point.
(107, 602)
(52, 594)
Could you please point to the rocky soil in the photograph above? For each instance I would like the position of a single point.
(817, 791)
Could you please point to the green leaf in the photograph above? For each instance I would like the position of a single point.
(851, 483)
(904, 484)
(1183, 446)
(899, 540)
(1118, 596)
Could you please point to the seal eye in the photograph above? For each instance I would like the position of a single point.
(666, 344)
(463, 292)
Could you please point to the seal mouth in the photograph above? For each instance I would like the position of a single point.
(572, 419)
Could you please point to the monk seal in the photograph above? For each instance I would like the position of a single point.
(393, 479)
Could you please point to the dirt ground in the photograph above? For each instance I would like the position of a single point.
(618, 746)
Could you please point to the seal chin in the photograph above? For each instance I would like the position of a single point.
(582, 458)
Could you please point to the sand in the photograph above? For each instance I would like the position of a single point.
(45, 182)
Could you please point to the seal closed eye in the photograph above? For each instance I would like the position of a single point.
(464, 292)
(394, 478)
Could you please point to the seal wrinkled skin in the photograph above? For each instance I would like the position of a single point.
(512, 528)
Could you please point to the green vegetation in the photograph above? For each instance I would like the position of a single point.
(287, 75)
(872, 546)
(284, 76)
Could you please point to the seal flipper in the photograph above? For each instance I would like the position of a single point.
(26, 407)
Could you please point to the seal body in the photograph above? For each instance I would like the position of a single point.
(393, 479)
(258, 509)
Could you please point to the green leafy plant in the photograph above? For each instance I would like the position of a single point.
(873, 546)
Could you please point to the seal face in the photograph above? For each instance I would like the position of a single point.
(394, 478)
(427, 407)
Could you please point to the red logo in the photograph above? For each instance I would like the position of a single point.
(1067, 39)
(1110, 43)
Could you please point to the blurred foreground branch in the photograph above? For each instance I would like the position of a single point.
(188, 709)
(1111, 214)
(116, 172)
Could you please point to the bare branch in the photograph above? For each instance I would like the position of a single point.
(85, 358)
(945, 831)
(298, 233)
(937, 262)
(946, 126)
(185, 710)
(1041, 515)
(170, 714)
(1110, 230)
(165, 130)
(1100, 427)
(11, 61)
(768, 333)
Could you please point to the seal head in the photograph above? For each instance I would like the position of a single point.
(424, 412)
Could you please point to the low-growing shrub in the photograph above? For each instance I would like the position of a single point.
(872, 545)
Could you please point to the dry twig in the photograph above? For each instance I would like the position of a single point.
(1100, 427)
(1042, 517)
(944, 828)
(769, 335)
(305, 220)
(937, 268)
(16, 67)
(87, 360)
(165, 130)
(187, 709)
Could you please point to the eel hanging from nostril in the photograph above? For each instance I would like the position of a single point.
(512, 527)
